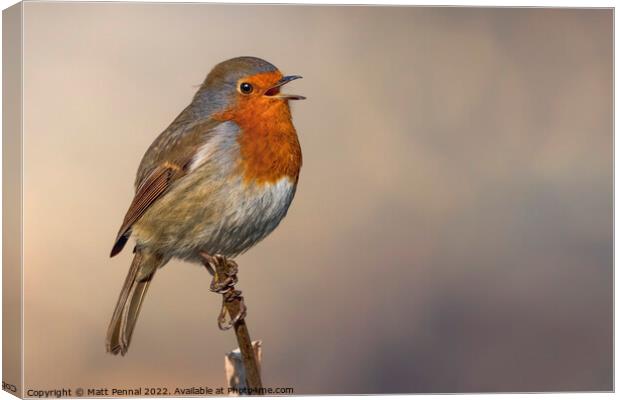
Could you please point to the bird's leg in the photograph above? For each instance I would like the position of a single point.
(224, 273)
(223, 270)
(207, 261)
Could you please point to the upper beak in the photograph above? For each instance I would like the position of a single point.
(274, 91)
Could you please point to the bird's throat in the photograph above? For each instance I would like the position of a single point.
(268, 141)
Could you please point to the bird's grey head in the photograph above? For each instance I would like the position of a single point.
(220, 87)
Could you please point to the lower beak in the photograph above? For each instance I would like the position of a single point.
(274, 91)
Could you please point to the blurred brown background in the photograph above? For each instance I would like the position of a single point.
(452, 230)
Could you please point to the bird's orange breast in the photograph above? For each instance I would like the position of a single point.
(268, 141)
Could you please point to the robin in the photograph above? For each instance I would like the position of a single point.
(218, 180)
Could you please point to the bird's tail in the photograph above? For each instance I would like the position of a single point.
(143, 268)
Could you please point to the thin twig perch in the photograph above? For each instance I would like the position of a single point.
(235, 371)
(224, 273)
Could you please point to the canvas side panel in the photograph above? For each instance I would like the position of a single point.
(12, 200)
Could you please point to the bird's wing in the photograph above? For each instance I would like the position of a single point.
(166, 161)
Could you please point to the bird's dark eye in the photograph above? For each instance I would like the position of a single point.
(246, 88)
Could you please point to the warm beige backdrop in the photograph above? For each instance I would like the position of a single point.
(452, 230)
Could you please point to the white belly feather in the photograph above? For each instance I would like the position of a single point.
(252, 213)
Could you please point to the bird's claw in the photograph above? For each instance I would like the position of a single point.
(230, 296)
(225, 287)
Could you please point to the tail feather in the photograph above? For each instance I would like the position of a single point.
(130, 301)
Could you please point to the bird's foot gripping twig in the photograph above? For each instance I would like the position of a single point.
(224, 273)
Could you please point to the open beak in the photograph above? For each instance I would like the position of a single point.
(274, 91)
